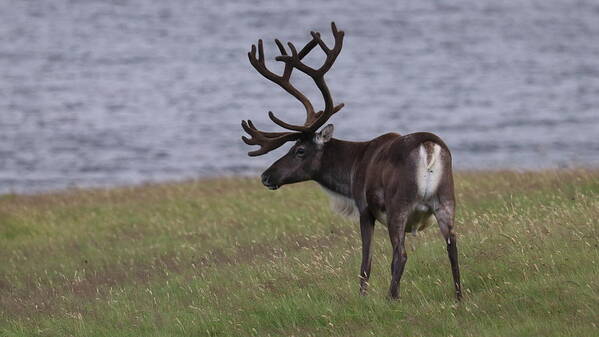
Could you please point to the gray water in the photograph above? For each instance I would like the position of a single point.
(102, 93)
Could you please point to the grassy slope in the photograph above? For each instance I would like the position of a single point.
(227, 257)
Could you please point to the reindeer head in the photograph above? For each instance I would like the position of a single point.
(303, 161)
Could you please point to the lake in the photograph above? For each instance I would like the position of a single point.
(106, 93)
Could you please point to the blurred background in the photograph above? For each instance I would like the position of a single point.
(104, 93)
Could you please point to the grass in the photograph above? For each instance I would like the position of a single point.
(226, 257)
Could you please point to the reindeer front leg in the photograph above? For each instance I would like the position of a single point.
(366, 229)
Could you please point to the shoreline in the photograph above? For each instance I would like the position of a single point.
(192, 180)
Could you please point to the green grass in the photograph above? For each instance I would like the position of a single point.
(226, 257)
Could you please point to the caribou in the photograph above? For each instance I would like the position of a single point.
(404, 182)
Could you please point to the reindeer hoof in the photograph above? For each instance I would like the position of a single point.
(393, 297)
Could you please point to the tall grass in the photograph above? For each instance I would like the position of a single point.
(226, 257)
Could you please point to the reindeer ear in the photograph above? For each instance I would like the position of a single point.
(325, 135)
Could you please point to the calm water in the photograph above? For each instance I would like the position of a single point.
(120, 92)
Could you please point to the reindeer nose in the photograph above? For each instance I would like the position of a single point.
(265, 179)
(268, 183)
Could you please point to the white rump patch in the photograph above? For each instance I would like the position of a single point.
(342, 204)
(430, 171)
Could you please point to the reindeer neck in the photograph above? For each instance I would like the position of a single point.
(337, 164)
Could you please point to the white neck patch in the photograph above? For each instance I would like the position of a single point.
(342, 204)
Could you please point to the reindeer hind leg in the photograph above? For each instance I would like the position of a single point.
(397, 235)
(445, 217)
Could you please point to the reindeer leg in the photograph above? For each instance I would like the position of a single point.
(366, 229)
(444, 216)
(397, 234)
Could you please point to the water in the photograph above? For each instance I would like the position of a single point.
(102, 93)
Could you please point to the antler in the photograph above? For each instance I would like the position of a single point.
(271, 140)
(268, 141)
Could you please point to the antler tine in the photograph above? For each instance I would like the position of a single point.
(260, 52)
(268, 141)
(316, 37)
(281, 48)
(310, 127)
(288, 69)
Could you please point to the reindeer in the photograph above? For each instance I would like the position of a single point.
(401, 181)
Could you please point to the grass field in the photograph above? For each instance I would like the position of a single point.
(227, 257)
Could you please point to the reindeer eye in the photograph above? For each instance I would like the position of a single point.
(300, 151)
